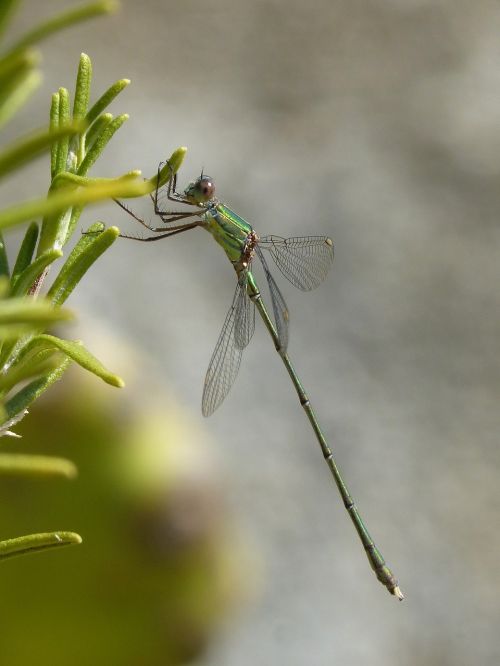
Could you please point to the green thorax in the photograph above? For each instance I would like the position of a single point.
(228, 229)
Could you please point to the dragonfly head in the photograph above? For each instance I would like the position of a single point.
(201, 191)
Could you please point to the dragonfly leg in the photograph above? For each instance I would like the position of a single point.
(175, 218)
(168, 216)
(179, 230)
(172, 194)
(164, 212)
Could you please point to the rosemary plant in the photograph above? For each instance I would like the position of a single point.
(31, 359)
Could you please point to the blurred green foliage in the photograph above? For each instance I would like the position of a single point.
(158, 570)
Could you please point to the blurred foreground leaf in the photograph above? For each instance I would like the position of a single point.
(31, 543)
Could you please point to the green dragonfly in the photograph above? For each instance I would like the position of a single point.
(304, 261)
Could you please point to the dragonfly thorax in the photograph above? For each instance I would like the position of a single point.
(230, 231)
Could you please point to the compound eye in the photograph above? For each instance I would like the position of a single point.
(207, 187)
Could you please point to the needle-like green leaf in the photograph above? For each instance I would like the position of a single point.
(19, 464)
(14, 95)
(10, 333)
(33, 312)
(4, 287)
(29, 365)
(7, 8)
(82, 88)
(28, 394)
(100, 143)
(172, 166)
(20, 317)
(67, 178)
(64, 119)
(63, 21)
(31, 543)
(81, 101)
(4, 262)
(97, 128)
(25, 254)
(53, 126)
(20, 152)
(106, 99)
(88, 249)
(54, 228)
(77, 352)
(27, 278)
(62, 199)
(23, 60)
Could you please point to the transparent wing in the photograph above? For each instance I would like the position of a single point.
(304, 260)
(225, 361)
(244, 325)
(280, 309)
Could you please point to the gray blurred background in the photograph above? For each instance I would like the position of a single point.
(375, 122)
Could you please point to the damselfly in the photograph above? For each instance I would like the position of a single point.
(304, 261)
